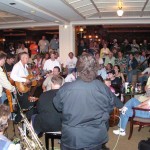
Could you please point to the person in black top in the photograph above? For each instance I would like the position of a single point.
(48, 119)
(116, 83)
(9, 63)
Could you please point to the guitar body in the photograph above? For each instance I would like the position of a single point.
(9, 97)
(30, 77)
(23, 87)
(114, 120)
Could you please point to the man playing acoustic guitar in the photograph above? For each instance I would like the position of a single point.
(4, 83)
(19, 74)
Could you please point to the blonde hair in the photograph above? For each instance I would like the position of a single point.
(4, 114)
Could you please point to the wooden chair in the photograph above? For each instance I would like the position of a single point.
(52, 136)
(138, 120)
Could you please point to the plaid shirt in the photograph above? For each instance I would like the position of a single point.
(119, 62)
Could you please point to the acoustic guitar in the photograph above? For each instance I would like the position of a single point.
(24, 87)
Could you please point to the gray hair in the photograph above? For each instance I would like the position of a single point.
(87, 67)
(4, 114)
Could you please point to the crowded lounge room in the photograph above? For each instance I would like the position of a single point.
(75, 75)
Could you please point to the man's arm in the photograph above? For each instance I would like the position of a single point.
(5, 83)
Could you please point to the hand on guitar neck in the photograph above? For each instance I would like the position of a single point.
(27, 81)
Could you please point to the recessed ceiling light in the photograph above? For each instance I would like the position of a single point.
(32, 11)
(12, 3)
(56, 21)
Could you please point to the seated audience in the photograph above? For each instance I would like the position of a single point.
(71, 62)
(94, 47)
(47, 82)
(72, 76)
(51, 63)
(134, 46)
(102, 72)
(115, 81)
(143, 60)
(125, 47)
(109, 67)
(38, 61)
(144, 75)
(126, 111)
(108, 83)
(118, 74)
(48, 119)
(46, 57)
(121, 61)
(104, 52)
(58, 58)
(97, 57)
(138, 57)
(109, 59)
(115, 52)
(132, 67)
(5, 143)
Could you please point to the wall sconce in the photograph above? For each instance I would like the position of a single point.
(65, 26)
(96, 36)
(120, 10)
(81, 29)
(3, 40)
(84, 36)
(90, 36)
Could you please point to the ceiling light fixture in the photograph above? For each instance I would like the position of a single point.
(65, 26)
(120, 10)
(33, 11)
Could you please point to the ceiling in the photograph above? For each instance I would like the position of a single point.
(48, 13)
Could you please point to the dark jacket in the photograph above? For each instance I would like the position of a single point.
(85, 109)
(48, 119)
(134, 63)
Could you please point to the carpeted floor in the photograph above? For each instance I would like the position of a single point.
(123, 143)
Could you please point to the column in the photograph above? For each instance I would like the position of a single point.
(66, 41)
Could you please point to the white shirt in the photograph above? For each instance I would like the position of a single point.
(19, 72)
(59, 60)
(100, 61)
(49, 65)
(11, 146)
(20, 50)
(147, 70)
(70, 78)
(4, 82)
(38, 63)
(71, 63)
(103, 73)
